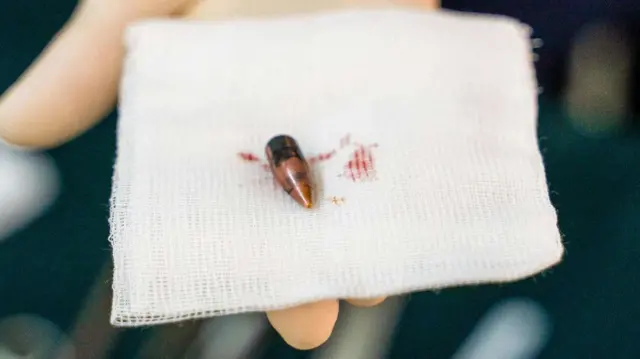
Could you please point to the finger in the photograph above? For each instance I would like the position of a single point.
(428, 4)
(68, 88)
(365, 303)
(210, 9)
(432, 4)
(73, 84)
(307, 326)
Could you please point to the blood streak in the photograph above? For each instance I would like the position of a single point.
(249, 157)
(361, 165)
(322, 157)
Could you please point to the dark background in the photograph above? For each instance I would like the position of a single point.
(592, 298)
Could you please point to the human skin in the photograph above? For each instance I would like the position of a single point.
(74, 83)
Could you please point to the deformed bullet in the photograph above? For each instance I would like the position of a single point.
(290, 169)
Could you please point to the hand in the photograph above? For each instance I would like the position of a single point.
(75, 81)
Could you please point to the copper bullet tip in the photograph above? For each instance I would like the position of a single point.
(306, 196)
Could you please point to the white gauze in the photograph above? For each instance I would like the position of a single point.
(421, 132)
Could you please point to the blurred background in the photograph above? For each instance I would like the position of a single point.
(55, 258)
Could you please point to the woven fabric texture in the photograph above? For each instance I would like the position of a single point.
(421, 132)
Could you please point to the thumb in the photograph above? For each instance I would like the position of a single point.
(74, 83)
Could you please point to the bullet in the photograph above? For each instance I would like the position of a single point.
(290, 169)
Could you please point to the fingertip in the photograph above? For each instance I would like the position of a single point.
(433, 4)
(365, 303)
(307, 326)
(17, 130)
(425, 4)
(430, 4)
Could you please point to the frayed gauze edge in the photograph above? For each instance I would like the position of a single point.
(141, 142)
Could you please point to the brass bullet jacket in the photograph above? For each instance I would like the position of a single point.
(290, 169)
